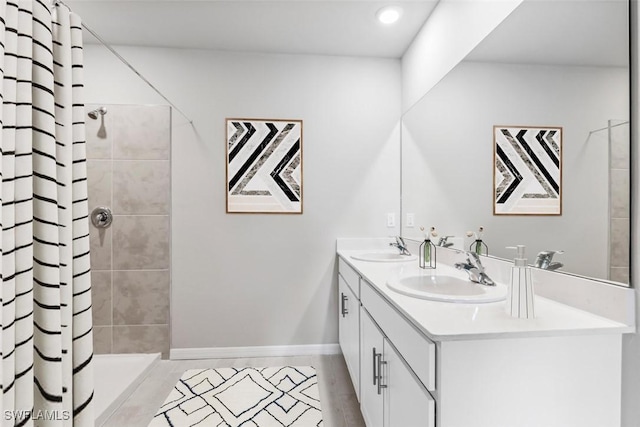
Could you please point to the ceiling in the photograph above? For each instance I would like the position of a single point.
(329, 27)
(567, 32)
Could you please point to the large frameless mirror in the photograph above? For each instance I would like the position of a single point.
(551, 65)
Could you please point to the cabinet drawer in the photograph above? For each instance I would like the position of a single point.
(418, 351)
(350, 276)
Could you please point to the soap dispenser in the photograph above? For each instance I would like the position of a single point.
(520, 296)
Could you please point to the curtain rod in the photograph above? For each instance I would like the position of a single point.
(125, 62)
(609, 127)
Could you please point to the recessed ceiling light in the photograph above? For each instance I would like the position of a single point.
(389, 14)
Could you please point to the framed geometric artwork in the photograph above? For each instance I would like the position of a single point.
(527, 170)
(264, 166)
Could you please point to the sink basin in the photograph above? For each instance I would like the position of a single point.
(384, 257)
(447, 288)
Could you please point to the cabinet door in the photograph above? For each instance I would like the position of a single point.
(371, 351)
(407, 402)
(349, 331)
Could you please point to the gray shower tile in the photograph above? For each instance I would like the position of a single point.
(619, 242)
(141, 187)
(620, 143)
(141, 339)
(140, 242)
(101, 297)
(140, 297)
(619, 193)
(100, 243)
(142, 132)
(619, 274)
(620, 158)
(102, 339)
(99, 183)
(98, 134)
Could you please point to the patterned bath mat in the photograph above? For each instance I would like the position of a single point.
(248, 397)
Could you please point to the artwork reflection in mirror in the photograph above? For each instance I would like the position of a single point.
(528, 170)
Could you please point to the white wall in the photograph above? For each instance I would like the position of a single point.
(253, 280)
(453, 30)
(631, 342)
(448, 146)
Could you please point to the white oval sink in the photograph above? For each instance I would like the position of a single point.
(384, 257)
(447, 288)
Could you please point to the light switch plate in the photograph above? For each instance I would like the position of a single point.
(391, 220)
(410, 220)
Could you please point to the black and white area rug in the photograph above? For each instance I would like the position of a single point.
(248, 397)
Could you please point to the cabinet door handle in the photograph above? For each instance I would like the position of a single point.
(375, 376)
(343, 307)
(380, 363)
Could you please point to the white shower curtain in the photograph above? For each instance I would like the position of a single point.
(46, 338)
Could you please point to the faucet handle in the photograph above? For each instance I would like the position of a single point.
(544, 258)
(475, 256)
(443, 241)
(547, 256)
(399, 243)
(550, 253)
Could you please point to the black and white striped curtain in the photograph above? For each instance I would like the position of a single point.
(46, 339)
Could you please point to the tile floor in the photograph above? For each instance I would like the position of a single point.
(340, 406)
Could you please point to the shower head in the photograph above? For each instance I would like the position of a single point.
(98, 111)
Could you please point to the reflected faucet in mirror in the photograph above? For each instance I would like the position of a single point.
(443, 242)
(545, 261)
(474, 269)
(402, 247)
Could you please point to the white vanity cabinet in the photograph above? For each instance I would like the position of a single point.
(349, 321)
(426, 364)
(559, 381)
(390, 393)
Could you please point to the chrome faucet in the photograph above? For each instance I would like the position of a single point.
(545, 258)
(443, 241)
(402, 247)
(474, 269)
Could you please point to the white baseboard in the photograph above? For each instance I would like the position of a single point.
(259, 351)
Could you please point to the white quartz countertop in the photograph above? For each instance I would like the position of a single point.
(446, 321)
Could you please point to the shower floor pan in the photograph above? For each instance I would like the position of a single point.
(116, 377)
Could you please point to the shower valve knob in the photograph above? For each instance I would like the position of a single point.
(101, 217)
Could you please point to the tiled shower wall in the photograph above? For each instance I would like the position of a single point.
(128, 152)
(619, 206)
